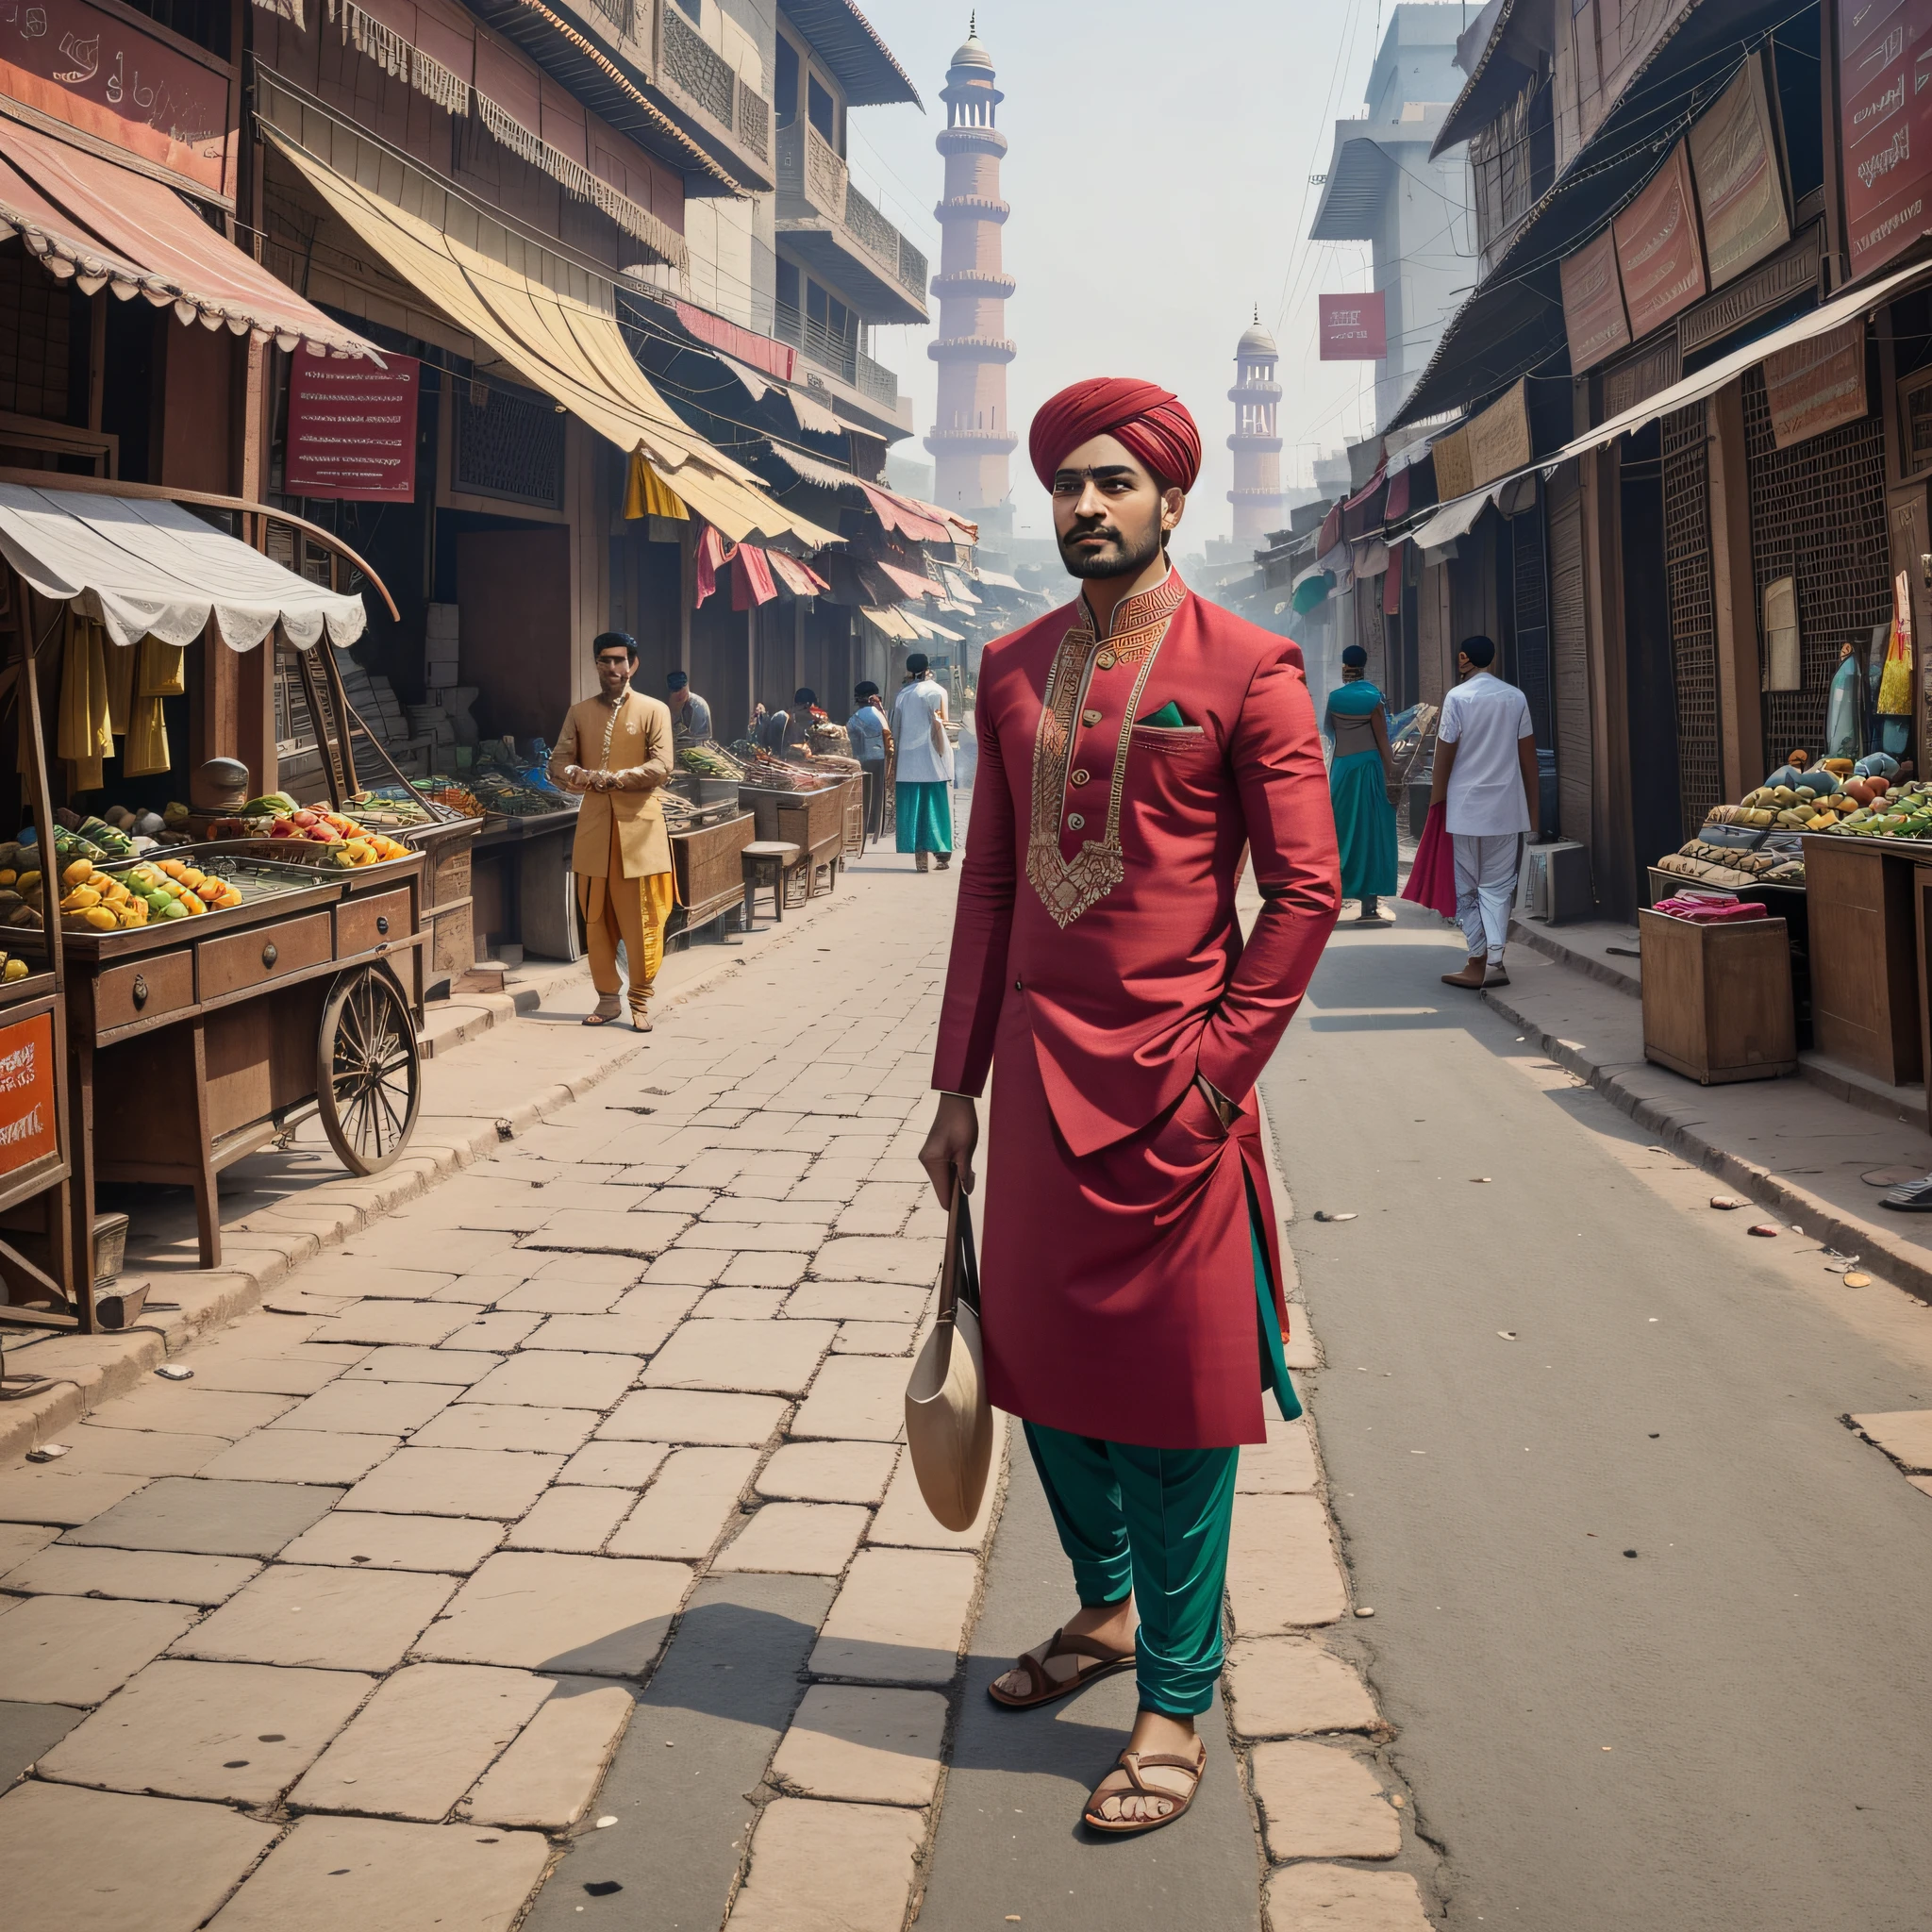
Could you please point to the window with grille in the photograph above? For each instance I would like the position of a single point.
(1694, 621)
(1818, 515)
(34, 341)
(508, 443)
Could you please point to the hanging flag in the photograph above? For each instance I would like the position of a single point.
(647, 494)
(713, 557)
(751, 577)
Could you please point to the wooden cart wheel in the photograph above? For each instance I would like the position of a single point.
(368, 1071)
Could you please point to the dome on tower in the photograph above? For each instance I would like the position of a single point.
(970, 53)
(1256, 340)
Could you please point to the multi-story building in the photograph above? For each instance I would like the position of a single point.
(1384, 188)
(972, 433)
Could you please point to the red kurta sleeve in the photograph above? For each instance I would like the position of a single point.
(982, 925)
(1276, 758)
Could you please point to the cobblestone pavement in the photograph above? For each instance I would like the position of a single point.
(549, 1550)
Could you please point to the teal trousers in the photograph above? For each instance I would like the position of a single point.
(1155, 1523)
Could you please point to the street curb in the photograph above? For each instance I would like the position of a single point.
(261, 1251)
(1877, 1247)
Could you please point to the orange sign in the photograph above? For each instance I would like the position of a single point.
(30, 1130)
(93, 70)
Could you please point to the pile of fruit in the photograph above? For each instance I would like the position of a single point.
(458, 799)
(1887, 813)
(114, 901)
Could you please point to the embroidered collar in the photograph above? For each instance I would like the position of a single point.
(1067, 888)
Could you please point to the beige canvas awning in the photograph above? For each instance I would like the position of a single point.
(555, 324)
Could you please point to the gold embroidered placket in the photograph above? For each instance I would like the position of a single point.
(1068, 889)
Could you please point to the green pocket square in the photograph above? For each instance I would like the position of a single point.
(1168, 717)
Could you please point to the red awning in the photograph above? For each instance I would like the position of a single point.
(905, 581)
(1397, 505)
(1331, 531)
(1368, 488)
(103, 224)
(761, 352)
(799, 578)
(903, 514)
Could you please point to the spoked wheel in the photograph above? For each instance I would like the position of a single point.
(368, 1071)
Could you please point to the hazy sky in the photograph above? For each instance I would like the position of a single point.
(1159, 176)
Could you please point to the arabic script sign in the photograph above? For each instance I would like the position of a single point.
(1885, 121)
(1354, 328)
(89, 68)
(352, 427)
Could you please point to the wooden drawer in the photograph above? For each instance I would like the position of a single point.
(264, 953)
(144, 990)
(376, 918)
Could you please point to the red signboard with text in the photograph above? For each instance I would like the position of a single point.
(352, 427)
(1659, 251)
(89, 68)
(1354, 328)
(29, 1127)
(1884, 123)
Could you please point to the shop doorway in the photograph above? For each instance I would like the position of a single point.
(513, 592)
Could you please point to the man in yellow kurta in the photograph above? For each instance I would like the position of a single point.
(615, 749)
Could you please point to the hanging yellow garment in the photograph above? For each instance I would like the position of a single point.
(121, 665)
(147, 749)
(647, 494)
(161, 674)
(1896, 682)
(86, 736)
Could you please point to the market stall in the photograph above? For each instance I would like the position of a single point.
(218, 989)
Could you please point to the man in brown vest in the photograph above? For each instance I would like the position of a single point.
(615, 750)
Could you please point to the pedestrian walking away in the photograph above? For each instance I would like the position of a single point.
(924, 765)
(1486, 780)
(690, 714)
(1131, 744)
(615, 749)
(866, 728)
(1357, 722)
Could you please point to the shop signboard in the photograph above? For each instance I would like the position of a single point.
(93, 70)
(29, 1124)
(1815, 385)
(1499, 437)
(1885, 126)
(1354, 328)
(1593, 317)
(352, 427)
(1454, 476)
(1660, 254)
(1740, 194)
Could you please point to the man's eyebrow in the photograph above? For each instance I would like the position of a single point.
(1100, 472)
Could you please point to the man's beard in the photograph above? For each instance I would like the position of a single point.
(1126, 560)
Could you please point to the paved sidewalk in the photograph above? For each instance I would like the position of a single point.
(552, 1535)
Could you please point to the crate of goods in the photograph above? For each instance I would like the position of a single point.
(1716, 998)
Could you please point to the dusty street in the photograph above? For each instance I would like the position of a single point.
(1647, 1612)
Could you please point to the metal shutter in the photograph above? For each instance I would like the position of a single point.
(1569, 654)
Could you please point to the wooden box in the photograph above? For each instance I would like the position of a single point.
(1716, 998)
(1864, 965)
(710, 875)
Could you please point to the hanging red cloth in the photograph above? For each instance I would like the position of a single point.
(713, 557)
(1432, 877)
(751, 577)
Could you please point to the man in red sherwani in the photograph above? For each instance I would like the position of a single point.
(1135, 745)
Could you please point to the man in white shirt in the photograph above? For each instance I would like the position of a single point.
(1486, 776)
(924, 773)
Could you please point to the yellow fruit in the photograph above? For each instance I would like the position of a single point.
(27, 882)
(15, 969)
(132, 911)
(80, 900)
(79, 872)
(100, 919)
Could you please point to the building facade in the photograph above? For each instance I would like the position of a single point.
(1384, 187)
(973, 435)
(1256, 440)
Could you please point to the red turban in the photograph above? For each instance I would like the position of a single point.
(1152, 423)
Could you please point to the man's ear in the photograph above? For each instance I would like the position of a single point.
(1172, 502)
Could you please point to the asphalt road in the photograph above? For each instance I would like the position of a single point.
(1730, 1728)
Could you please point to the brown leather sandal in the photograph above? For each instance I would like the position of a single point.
(1131, 1762)
(1042, 1687)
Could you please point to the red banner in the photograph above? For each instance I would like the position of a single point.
(89, 69)
(1354, 328)
(30, 1130)
(1659, 252)
(352, 428)
(1885, 123)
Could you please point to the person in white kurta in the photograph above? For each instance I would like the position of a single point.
(924, 770)
(1486, 776)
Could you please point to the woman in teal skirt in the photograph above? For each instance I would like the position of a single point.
(1358, 720)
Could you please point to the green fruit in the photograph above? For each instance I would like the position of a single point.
(174, 910)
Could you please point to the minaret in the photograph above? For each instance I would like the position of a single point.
(1256, 396)
(971, 436)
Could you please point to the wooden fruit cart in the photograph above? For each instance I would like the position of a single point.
(815, 822)
(711, 876)
(192, 1042)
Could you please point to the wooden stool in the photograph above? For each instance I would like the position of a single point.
(766, 861)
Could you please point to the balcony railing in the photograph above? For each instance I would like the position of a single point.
(811, 171)
(839, 355)
(696, 68)
(877, 381)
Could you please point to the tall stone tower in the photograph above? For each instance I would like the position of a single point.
(971, 436)
(1255, 443)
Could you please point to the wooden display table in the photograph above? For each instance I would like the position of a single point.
(1867, 958)
(448, 908)
(710, 878)
(1716, 998)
